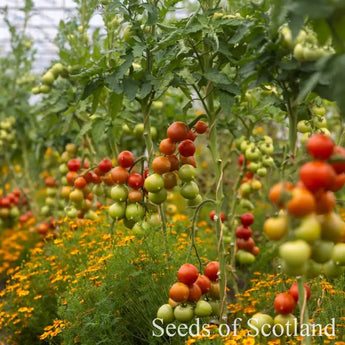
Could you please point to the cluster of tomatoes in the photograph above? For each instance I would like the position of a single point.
(317, 236)
(186, 296)
(258, 157)
(316, 124)
(8, 133)
(48, 78)
(12, 209)
(53, 206)
(246, 250)
(171, 166)
(284, 305)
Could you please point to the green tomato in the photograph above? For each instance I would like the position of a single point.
(313, 269)
(332, 227)
(128, 223)
(117, 210)
(154, 219)
(76, 195)
(139, 130)
(267, 148)
(309, 229)
(126, 129)
(320, 122)
(189, 190)
(245, 144)
(44, 88)
(90, 215)
(256, 185)
(135, 212)
(262, 172)
(295, 253)
(153, 131)
(288, 322)
(51, 191)
(303, 126)
(14, 212)
(154, 183)
(57, 69)
(72, 212)
(138, 230)
(186, 172)
(50, 201)
(35, 90)
(254, 166)
(331, 270)
(267, 161)
(119, 192)
(166, 313)
(184, 313)
(246, 204)
(203, 309)
(158, 197)
(298, 52)
(238, 141)
(338, 255)
(319, 111)
(48, 78)
(244, 257)
(322, 251)
(267, 139)
(63, 169)
(245, 189)
(252, 154)
(196, 201)
(262, 323)
(215, 307)
(305, 138)
(310, 54)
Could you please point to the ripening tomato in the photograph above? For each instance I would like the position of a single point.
(338, 182)
(43, 228)
(191, 135)
(177, 131)
(338, 152)
(174, 161)
(320, 146)
(294, 291)
(74, 164)
(50, 181)
(135, 195)
(317, 175)
(76, 195)
(245, 244)
(188, 160)
(200, 127)
(186, 148)
(211, 270)
(325, 201)
(135, 181)
(71, 176)
(204, 283)
(108, 180)
(284, 303)
(243, 232)
(161, 165)
(277, 192)
(80, 182)
(105, 165)
(170, 180)
(125, 159)
(179, 292)
(98, 172)
(256, 251)
(247, 219)
(96, 179)
(119, 175)
(194, 293)
(167, 146)
(301, 203)
(187, 274)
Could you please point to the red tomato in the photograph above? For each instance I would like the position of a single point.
(17, 192)
(245, 244)
(317, 175)
(80, 182)
(71, 176)
(177, 131)
(222, 216)
(338, 182)
(108, 180)
(135, 181)
(125, 159)
(194, 293)
(247, 219)
(284, 303)
(320, 146)
(211, 270)
(167, 146)
(74, 164)
(339, 152)
(240, 160)
(105, 165)
(186, 148)
(243, 232)
(294, 291)
(187, 274)
(96, 179)
(200, 127)
(191, 135)
(204, 283)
